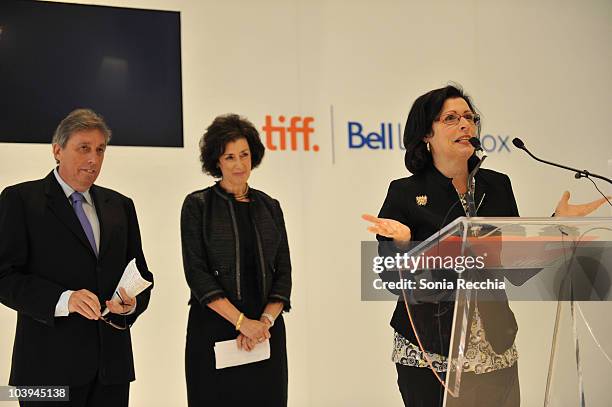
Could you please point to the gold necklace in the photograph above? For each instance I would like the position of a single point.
(242, 196)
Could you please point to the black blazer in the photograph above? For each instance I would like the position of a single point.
(43, 252)
(211, 259)
(493, 197)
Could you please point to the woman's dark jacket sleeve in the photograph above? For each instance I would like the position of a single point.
(201, 281)
(281, 284)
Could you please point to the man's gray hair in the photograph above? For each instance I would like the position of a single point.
(80, 120)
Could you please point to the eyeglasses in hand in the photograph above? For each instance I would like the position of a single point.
(111, 323)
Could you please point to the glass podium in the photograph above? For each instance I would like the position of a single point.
(556, 276)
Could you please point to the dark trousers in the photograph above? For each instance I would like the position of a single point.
(420, 388)
(94, 394)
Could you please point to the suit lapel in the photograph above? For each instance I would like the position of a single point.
(60, 206)
(104, 209)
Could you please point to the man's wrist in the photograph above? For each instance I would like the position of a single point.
(130, 311)
(62, 308)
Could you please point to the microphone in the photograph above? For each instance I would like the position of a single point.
(518, 143)
(471, 187)
(475, 142)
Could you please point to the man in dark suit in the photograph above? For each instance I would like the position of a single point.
(64, 244)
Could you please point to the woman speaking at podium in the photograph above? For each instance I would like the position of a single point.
(440, 157)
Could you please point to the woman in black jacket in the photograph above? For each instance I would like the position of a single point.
(237, 265)
(440, 157)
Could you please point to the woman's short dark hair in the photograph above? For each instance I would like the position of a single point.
(425, 110)
(225, 129)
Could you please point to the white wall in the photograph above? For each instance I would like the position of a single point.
(536, 70)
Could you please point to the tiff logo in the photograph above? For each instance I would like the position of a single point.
(297, 126)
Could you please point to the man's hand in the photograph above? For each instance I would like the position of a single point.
(126, 305)
(85, 303)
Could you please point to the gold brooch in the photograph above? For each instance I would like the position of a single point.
(421, 200)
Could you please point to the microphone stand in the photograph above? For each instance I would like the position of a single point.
(471, 187)
(518, 143)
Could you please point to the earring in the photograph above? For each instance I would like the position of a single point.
(428, 148)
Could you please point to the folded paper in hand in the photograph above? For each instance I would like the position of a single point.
(131, 281)
(227, 353)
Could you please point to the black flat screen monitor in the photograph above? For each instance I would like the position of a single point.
(123, 63)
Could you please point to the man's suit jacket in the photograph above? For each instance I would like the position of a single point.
(43, 252)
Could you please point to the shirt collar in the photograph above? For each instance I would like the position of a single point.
(68, 190)
(432, 173)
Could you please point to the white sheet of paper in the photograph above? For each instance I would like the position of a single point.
(131, 281)
(227, 354)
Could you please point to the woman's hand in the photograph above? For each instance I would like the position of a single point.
(256, 331)
(564, 208)
(390, 228)
(245, 343)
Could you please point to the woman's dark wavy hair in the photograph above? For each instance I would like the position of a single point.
(225, 129)
(425, 110)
